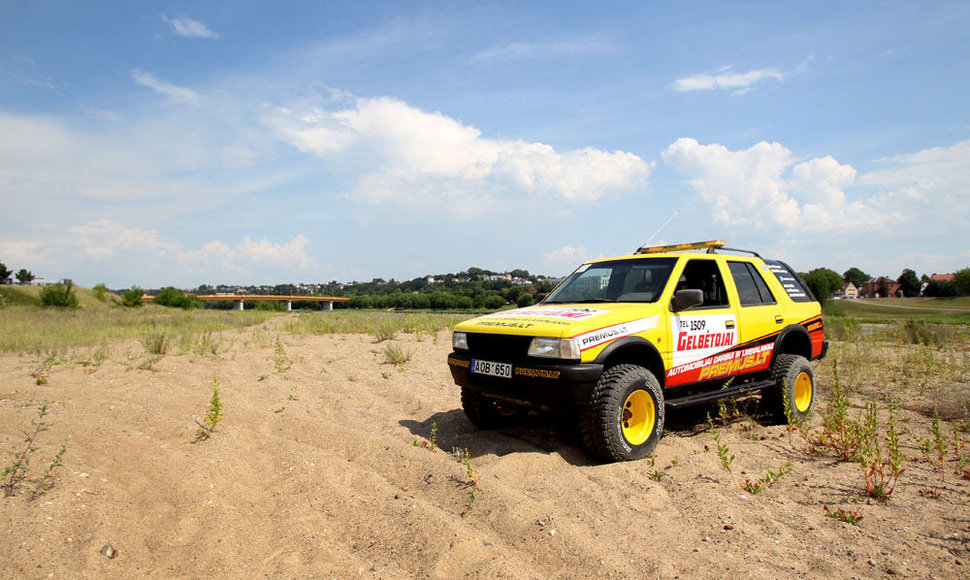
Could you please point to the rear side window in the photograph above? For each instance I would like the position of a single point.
(790, 281)
(752, 290)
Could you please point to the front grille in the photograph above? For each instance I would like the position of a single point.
(499, 347)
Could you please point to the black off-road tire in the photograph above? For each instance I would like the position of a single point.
(487, 413)
(625, 418)
(794, 388)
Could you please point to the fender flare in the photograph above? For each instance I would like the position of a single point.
(793, 334)
(653, 360)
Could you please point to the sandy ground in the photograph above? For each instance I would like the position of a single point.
(323, 469)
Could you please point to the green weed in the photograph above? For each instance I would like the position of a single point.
(769, 479)
(395, 355)
(432, 443)
(280, 359)
(840, 514)
(155, 341)
(15, 475)
(213, 414)
(723, 452)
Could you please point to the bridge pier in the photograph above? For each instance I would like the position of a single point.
(289, 306)
(240, 306)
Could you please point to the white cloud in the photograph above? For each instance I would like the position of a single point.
(188, 27)
(939, 171)
(750, 188)
(105, 239)
(539, 50)
(396, 153)
(120, 253)
(739, 83)
(563, 260)
(173, 92)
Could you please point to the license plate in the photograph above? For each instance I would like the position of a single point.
(494, 369)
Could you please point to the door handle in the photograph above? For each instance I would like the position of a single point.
(779, 319)
(729, 324)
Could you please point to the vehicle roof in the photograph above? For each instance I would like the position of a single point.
(692, 254)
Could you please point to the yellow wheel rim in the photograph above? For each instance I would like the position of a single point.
(803, 392)
(639, 417)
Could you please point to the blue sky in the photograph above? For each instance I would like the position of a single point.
(187, 143)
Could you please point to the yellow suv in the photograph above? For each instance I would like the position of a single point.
(622, 339)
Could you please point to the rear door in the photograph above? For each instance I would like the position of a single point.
(760, 316)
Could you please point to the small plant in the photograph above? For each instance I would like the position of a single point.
(395, 355)
(15, 474)
(839, 432)
(769, 479)
(723, 452)
(840, 514)
(213, 414)
(472, 483)
(881, 470)
(43, 371)
(930, 493)
(384, 332)
(432, 443)
(207, 344)
(155, 341)
(280, 359)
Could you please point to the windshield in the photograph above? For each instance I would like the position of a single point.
(640, 280)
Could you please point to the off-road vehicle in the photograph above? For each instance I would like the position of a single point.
(623, 339)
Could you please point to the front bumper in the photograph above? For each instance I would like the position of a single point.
(546, 385)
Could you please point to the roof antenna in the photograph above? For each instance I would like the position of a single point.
(660, 229)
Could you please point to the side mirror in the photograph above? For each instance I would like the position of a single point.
(687, 299)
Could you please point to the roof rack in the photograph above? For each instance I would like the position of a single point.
(709, 245)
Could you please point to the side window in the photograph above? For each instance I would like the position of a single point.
(752, 290)
(704, 275)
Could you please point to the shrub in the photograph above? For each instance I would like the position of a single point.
(155, 341)
(395, 355)
(494, 302)
(132, 297)
(100, 292)
(60, 295)
(171, 296)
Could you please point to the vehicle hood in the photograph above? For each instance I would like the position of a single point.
(560, 320)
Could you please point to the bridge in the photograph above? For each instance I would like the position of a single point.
(240, 298)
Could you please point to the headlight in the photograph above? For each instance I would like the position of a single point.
(563, 348)
(459, 341)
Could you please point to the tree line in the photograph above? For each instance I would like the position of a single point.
(824, 283)
(23, 275)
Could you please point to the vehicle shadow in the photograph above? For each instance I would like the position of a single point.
(534, 432)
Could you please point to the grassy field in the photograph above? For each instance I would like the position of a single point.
(29, 328)
(880, 310)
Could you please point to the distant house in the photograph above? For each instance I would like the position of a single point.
(942, 277)
(872, 289)
(849, 290)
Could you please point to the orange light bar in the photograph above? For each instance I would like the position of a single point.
(681, 247)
